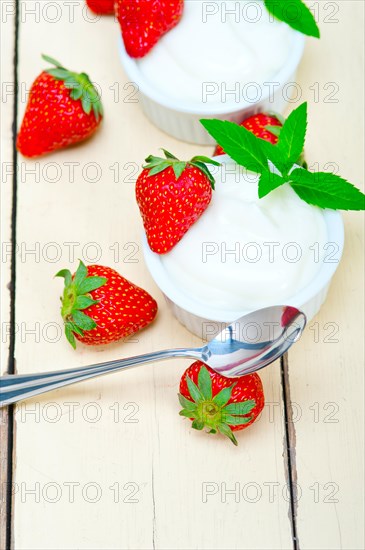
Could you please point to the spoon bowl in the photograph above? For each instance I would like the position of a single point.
(246, 345)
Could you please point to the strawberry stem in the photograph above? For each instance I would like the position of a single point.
(155, 165)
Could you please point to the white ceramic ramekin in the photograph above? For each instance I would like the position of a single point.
(206, 321)
(182, 121)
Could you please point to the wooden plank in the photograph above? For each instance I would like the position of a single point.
(7, 48)
(327, 367)
(161, 468)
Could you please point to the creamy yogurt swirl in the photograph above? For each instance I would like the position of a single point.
(245, 252)
(216, 50)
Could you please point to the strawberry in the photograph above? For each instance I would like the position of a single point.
(219, 403)
(101, 7)
(99, 306)
(144, 22)
(171, 196)
(63, 108)
(263, 126)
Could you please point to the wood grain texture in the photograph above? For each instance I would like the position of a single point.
(7, 47)
(160, 466)
(327, 368)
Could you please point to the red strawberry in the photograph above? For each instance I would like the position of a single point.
(219, 403)
(99, 306)
(171, 196)
(101, 7)
(63, 108)
(144, 22)
(258, 124)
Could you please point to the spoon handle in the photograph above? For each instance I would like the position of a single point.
(16, 387)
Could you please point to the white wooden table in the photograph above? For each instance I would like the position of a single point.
(109, 464)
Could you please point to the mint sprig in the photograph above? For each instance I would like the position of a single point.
(317, 188)
(296, 14)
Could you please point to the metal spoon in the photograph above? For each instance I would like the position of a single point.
(244, 346)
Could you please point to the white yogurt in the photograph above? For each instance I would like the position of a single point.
(245, 252)
(219, 47)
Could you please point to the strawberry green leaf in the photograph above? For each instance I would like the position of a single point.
(169, 155)
(237, 420)
(198, 425)
(51, 60)
(274, 130)
(159, 168)
(326, 190)
(86, 104)
(268, 182)
(91, 283)
(296, 14)
(59, 74)
(222, 398)
(69, 335)
(179, 167)
(187, 413)
(66, 273)
(194, 391)
(240, 144)
(83, 302)
(292, 136)
(240, 408)
(76, 329)
(205, 383)
(186, 404)
(76, 93)
(83, 321)
(80, 274)
(226, 430)
(205, 160)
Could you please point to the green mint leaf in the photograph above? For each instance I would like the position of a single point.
(268, 182)
(326, 190)
(292, 137)
(83, 321)
(226, 430)
(223, 396)
(186, 404)
(296, 14)
(240, 144)
(205, 383)
(83, 302)
(240, 408)
(194, 391)
(91, 283)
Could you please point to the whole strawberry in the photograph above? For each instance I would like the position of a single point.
(221, 404)
(171, 196)
(63, 108)
(263, 126)
(101, 7)
(99, 306)
(144, 22)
